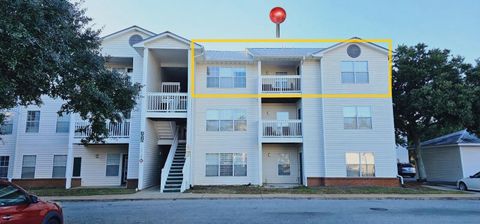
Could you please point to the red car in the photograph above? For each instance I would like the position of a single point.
(19, 207)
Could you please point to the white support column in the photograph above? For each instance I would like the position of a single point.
(70, 155)
(190, 121)
(260, 131)
(143, 119)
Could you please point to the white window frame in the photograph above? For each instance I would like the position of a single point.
(234, 163)
(33, 125)
(289, 165)
(63, 123)
(7, 127)
(222, 75)
(235, 115)
(360, 164)
(357, 117)
(4, 164)
(57, 165)
(108, 163)
(355, 72)
(29, 166)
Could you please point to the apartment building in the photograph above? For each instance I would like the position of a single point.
(276, 134)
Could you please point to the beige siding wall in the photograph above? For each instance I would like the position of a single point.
(380, 139)
(94, 164)
(118, 46)
(225, 142)
(269, 110)
(377, 68)
(8, 142)
(44, 144)
(151, 156)
(201, 79)
(443, 163)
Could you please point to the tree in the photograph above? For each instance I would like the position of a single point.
(473, 81)
(430, 96)
(47, 48)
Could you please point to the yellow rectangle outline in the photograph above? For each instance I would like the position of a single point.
(289, 95)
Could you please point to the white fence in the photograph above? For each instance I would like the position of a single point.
(281, 84)
(115, 130)
(167, 102)
(282, 128)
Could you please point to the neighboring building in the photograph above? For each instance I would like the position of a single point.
(177, 141)
(451, 157)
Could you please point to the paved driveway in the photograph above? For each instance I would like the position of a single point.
(274, 211)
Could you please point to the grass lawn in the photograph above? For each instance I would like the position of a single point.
(78, 191)
(317, 190)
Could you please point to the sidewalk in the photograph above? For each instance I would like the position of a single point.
(150, 195)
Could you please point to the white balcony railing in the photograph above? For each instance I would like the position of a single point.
(167, 102)
(282, 128)
(115, 130)
(281, 84)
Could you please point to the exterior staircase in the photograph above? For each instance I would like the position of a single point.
(175, 176)
(165, 132)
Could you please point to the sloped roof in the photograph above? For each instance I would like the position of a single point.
(459, 137)
(163, 34)
(283, 52)
(134, 27)
(227, 56)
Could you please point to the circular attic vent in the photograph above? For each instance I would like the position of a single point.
(134, 39)
(353, 50)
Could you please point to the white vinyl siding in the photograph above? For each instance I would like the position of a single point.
(63, 123)
(4, 162)
(226, 120)
(226, 164)
(226, 77)
(354, 72)
(33, 122)
(357, 118)
(28, 166)
(113, 165)
(360, 164)
(59, 166)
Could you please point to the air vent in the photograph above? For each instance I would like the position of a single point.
(353, 50)
(134, 39)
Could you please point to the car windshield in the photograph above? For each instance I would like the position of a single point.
(477, 175)
(407, 165)
(9, 195)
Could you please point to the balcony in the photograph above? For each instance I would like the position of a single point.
(165, 104)
(281, 84)
(282, 131)
(118, 133)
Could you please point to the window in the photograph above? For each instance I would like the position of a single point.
(113, 164)
(7, 127)
(224, 77)
(4, 160)
(226, 120)
(33, 121)
(10, 196)
(63, 123)
(226, 164)
(360, 164)
(59, 166)
(354, 72)
(77, 166)
(28, 166)
(284, 164)
(357, 118)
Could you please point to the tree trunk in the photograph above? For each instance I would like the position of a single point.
(421, 174)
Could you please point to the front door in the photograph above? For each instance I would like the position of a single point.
(124, 168)
(281, 166)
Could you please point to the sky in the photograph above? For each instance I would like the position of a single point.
(449, 24)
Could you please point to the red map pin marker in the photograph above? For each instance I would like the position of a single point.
(277, 16)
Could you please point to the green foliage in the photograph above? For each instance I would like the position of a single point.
(473, 81)
(47, 48)
(430, 94)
